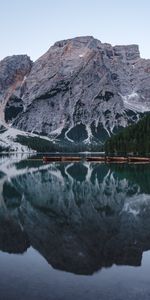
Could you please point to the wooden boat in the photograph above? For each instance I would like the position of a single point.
(138, 159)
(71, 158)
(97, 158)
(116, 159)
(52, 158)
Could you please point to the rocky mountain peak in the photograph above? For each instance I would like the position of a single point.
(77, 41)
(13, 66)
(129, 53)
(82, 90)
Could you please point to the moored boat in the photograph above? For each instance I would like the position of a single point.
(138, 159)
(116, 159)
(96, 158)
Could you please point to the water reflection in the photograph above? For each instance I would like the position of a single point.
(80, 217)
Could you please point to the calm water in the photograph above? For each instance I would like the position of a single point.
(73, 231)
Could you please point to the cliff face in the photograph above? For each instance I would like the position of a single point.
(83, 90)
(13, 71)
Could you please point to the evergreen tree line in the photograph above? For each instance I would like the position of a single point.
(43, 145)
(134, 139)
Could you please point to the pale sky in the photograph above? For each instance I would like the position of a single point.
(32, 26)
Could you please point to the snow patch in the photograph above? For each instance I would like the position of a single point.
(108, 130)
(81, 55)
(66, 136)
(89, 133)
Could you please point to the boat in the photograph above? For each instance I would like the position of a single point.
(116, 159)
(51, 158)
(138, 159)
(108, 159)
(96, 158)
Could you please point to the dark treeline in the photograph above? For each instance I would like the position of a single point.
(133, 139)
(43, 145)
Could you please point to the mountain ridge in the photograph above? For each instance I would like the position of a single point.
(79, 91)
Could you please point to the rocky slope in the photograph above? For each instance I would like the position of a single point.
(80, 90)
(13, 71)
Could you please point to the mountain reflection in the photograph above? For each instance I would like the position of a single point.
(79, 216)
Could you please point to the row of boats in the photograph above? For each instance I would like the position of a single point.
(96, 159)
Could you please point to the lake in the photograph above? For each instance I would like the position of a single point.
(74, 230)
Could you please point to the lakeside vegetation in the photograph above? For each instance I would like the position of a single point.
(42, 145)
(134, 139)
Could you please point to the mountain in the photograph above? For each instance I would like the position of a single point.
(135, 139)
(81, 91)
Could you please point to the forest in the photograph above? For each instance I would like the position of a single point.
(134, 139)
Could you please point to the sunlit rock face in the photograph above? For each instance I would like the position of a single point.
(81, 217)
(80, 90)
